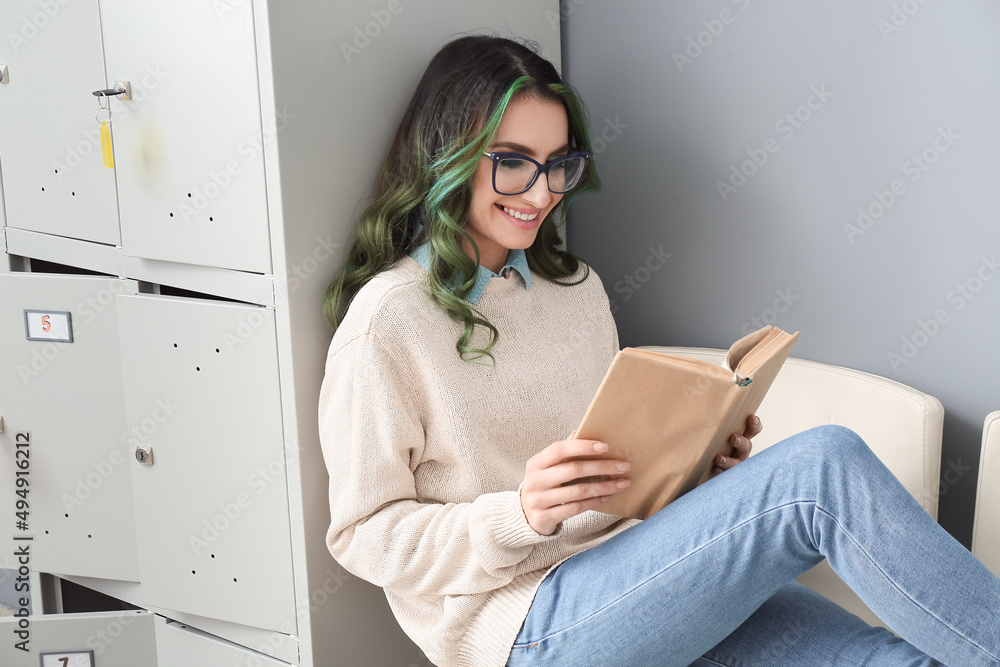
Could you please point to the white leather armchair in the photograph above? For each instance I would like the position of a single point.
(901, 425)
(986, 527)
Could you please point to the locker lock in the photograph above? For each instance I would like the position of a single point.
(121, 91)
(144, 455)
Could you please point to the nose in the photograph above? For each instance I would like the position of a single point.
(538, 195)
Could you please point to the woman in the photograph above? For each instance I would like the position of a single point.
(467, 348)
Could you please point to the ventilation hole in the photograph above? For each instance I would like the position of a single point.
(189, 194)
(213, 555)
(192, 571)
(234, 578)
(66, 515)
(197, 368)
(73, 193)
(171, 215)
(210, 218)
(90, 536)
(43, 189)
(216, 350)
(175, 344)
(46, 532)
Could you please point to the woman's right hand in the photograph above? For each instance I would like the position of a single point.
(555, 489)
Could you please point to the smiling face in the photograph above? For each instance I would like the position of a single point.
(539, 129)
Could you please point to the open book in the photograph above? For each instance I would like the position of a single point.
(670, 416)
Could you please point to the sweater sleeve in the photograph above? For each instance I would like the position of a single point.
(372, 437)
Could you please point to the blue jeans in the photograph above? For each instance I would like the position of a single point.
(709, 580)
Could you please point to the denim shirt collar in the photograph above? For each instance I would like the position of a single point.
(516, 260)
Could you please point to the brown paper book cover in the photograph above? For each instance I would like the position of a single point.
(670, 415)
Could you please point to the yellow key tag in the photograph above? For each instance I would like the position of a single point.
(109, 158)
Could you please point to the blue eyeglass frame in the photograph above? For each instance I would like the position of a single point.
(539, 169)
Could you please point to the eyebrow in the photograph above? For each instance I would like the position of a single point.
(519, 148)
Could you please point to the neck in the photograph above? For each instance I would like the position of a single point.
(493, 259)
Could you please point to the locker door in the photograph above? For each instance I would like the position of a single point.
(211, 509)
(53, 175)
(109, 638)
(189, 156)
(63, 404)
(179, 645)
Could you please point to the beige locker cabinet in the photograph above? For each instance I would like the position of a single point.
(111, 638)
(211, 504)
(65, 401)
(54, 178)
(274, 115)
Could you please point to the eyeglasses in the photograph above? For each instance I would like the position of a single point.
(514, 173)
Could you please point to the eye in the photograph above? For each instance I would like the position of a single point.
(512, 164)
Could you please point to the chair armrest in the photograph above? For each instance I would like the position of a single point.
(986, 526)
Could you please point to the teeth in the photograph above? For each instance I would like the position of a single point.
(518, 215)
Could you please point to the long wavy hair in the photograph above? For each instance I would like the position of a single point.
(424, 188)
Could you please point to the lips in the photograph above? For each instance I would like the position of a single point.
(518, 222)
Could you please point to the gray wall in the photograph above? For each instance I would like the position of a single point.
(742, 137)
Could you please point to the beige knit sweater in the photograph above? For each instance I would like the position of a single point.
(426, 452)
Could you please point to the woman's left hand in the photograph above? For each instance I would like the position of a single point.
(741, 447)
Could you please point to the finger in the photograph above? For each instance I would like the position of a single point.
(741, 446)
(557, 452)
(575, 494)
(569, 472)
(723, 463)
(559, 513)
(754, 426)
